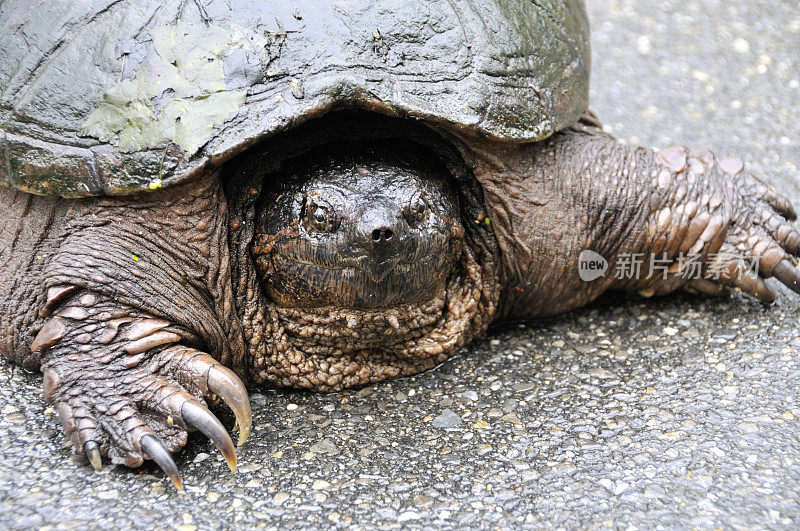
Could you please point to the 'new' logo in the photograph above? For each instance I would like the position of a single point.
(591, 265)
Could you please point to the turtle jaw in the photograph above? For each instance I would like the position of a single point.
(291, 281)
(334, 347)
(377, 271)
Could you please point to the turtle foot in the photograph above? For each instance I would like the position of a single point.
(721, 229)
(126, 388)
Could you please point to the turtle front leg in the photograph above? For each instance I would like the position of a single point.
(711, 226)
(126, 384)
(657, 221)
(125, 305)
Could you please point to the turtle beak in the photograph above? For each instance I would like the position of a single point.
(377, 271)
(386, 239)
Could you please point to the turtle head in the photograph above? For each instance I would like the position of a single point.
(357, 226)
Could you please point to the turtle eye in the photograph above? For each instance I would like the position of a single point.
(321, 218)
(416, 210)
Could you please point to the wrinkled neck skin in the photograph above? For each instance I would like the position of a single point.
(317, 312)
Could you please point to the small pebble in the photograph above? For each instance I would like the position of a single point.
(447, 419)
(741, 45)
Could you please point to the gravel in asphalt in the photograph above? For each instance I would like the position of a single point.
(680, 411)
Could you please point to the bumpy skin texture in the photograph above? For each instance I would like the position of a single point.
(132, 306)
(100, 292)
(339, 346)
(581, 190)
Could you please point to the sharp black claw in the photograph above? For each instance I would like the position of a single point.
(153, 448)
(788, 275)
(225, 384)
(200, 418)
(92, 451)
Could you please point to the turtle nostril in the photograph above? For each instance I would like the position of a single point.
(382, 235)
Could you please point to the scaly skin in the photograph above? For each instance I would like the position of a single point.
(140, 309)
(125, 289)
(582, 190)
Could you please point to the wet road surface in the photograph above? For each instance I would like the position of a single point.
(680, 411)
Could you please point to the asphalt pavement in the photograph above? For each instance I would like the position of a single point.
(676, 412)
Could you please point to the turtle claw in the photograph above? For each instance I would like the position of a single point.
(153, 449)
(224, 383)
(753, 285)
(200, 418)
(788, 275)
(735, 223)
(92, 451)
(707, 287)
(144, 407)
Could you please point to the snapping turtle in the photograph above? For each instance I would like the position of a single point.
(321, 197)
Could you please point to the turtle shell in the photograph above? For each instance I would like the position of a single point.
(119, 96)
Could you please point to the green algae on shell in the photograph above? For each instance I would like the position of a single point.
(180, 97)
